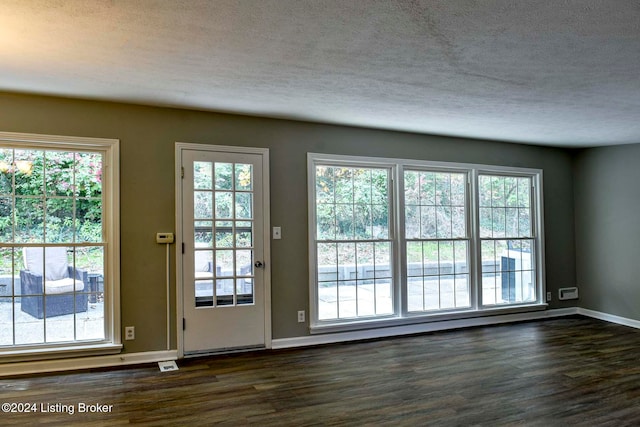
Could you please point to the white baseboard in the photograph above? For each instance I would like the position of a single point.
(416, 328)
(77, 363)
(609, 317)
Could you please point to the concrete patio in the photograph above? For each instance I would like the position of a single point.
(88, 325)
(355, 299)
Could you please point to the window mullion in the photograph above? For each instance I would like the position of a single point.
(532, 211)
(475, 261)
(400, 243)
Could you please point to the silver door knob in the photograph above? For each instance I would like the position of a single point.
(259, 264)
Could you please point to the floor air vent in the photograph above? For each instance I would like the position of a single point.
(568, 293)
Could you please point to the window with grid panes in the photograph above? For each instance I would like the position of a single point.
(506, 239)
(58, 242)
(459, 238)
(437, 242)
(353, 243)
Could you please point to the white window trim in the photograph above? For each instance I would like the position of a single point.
(437, 167)
(396, 233)
(112, 343)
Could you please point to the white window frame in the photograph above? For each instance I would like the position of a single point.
(436, 168)
(397, 235)
(110, 149)
(349, 161)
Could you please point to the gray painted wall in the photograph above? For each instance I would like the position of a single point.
(148, 136)
(607, 210)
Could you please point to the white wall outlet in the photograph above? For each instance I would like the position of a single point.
(130, 333)
(548, 296)
(301, 316)
(277, 233)
(164, 237)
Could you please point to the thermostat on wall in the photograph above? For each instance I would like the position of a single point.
(164, 237)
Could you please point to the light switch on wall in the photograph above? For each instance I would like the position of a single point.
(277, 233)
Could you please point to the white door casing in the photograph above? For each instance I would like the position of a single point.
(222, 211)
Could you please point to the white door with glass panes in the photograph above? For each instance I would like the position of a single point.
(223, 260)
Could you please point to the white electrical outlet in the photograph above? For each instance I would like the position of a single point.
(130, 333)
(301, 316)
(548, 296)
(277, 233)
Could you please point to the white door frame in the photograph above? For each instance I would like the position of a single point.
(264, 152)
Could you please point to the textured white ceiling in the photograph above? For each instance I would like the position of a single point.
(551, 72)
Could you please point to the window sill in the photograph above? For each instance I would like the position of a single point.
(422, 318)
(27, 354)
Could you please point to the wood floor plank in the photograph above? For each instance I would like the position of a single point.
(566, 371)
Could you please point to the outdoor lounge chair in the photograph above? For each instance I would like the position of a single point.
(59, 292)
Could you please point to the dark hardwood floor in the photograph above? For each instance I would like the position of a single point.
(566, 371)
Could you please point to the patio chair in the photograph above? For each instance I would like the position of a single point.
(203, 265)
(204, 278)
(59, 292)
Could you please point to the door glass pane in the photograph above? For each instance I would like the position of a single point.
(224, 234)
(224, 176)
(244, 207)
(203, 233)
(224, 292)
(244, 234)
(224, 263)
(204, 293)
(230, 232)
(244, 266)
(202, 175)
(203, 264)
(203, 205)
(244, 177)
(224, 205)
(244, 291)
